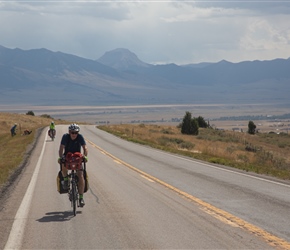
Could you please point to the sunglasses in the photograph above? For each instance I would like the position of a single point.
(74, 133)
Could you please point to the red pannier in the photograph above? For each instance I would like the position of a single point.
(73, 161)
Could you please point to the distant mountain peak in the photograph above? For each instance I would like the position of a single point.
(121, 59)
(224, 62)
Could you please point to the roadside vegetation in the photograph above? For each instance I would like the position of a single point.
(13, 149)
(260, 153)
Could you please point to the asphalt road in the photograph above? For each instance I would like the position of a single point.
(141, 198)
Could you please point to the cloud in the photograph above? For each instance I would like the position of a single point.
(157, 31)
(258, 6)
(263, 34)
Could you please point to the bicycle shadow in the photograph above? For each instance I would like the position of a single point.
(58, 216)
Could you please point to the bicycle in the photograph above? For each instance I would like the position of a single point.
(73, 162)
(51, 133)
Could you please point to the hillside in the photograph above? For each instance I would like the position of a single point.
(119, 77)
(15, 150)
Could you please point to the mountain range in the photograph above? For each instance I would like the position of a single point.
(119, 77)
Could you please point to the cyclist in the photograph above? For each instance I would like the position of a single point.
(52, 128)
(73, 142)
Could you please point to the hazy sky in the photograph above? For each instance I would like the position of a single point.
(156, 31)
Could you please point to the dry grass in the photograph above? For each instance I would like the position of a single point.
(269, 153)
(12, 149)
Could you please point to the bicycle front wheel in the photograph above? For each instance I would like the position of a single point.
(74, 197)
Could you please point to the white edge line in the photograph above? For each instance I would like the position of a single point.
(16, 234)
(230, 171)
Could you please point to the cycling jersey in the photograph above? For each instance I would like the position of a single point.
(72, 145)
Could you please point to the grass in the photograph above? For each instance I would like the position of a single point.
(260, 153)
(13, 149)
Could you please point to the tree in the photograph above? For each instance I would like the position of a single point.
(194, 126)
(30, 113)
(186, 123)
(251, 127)
(201, 122)
(189, 125)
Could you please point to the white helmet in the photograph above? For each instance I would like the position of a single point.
(74, 127)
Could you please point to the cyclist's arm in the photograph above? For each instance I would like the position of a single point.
(61, 150)
(85, 150)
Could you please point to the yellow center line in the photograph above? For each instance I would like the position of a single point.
(218, 213)
(145, 177)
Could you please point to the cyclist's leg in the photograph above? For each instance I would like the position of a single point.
(81, 181)
(65, 177)
(63, 170)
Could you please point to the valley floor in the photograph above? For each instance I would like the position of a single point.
(237, 115)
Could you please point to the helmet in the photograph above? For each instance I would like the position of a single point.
(74, 127)
(52, 122)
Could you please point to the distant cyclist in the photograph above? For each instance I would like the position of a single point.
(52, 131)
(73, 142)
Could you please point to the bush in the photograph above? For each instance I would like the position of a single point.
(30, 113)
(46, 116)
(187, 145)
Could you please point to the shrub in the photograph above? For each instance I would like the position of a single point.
(30, 113)
(45, 116)
(187, 145)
